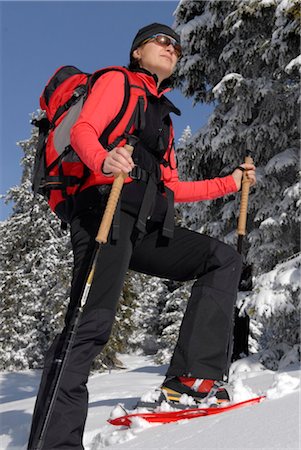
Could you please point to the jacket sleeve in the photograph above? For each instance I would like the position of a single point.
(193, 191)
(100, 108)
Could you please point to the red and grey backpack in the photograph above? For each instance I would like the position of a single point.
(58, 172)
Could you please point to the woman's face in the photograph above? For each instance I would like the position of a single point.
(157, 59)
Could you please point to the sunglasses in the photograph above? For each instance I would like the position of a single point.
(164, 41)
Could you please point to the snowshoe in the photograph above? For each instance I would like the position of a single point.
(168, 416)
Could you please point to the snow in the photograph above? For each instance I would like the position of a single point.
(274, 423)
(296, 62)
(272, 288)
(198, 22)
(284, 6)
(267, 2)
(282, 160)
(220, 87)
(283, 385)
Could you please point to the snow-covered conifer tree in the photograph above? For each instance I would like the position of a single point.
(186, 135)
(150, 293)
(35, 273)
(170, 320)
(35, 264)
(275, 304)
(244, 56)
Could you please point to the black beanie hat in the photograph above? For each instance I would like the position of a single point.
(149, 31)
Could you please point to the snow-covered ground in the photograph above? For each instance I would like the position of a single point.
(273, 423)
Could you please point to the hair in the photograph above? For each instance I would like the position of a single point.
(133, 64)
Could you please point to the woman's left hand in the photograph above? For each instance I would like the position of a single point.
(249, 171)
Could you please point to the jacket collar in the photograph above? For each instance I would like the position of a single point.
(150, 81)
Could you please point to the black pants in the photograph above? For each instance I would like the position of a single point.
(202, 347)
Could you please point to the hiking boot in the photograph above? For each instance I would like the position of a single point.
(201, 390)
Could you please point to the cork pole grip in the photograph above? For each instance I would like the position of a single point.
(104, 229)
(242, 219)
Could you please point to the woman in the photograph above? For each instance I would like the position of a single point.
(148, 242)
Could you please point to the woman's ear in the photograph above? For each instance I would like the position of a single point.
(137, 54)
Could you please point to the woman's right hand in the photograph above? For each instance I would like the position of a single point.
(117, 161)
(249, 170)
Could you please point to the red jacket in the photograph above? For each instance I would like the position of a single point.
(100, 108)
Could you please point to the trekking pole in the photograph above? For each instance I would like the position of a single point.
(242, 324)
(242, 219)
(62, 361)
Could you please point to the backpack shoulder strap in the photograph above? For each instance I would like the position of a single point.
(133, 80)
(130, 83)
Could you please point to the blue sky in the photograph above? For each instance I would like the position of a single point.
(38, 37)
